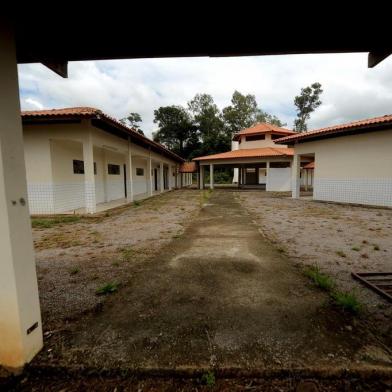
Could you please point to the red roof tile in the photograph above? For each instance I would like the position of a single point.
(188, 167)
(310, 165)
(88, 112)
(263, 128)
(250, 153)
(338, 129)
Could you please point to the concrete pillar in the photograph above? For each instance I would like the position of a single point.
(89, 180)
(306, 171)
(161, 183)
(105, 175)
(20, 319)
(170, 177)
(201, 177)
(295, 178)
(211, 176)
(129, 173)
(268, 176)
(149, 176)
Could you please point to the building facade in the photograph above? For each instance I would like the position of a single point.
(257, 160)
(81, 160)
(352, 162)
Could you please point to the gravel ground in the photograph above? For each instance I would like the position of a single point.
(338, 238)
(75, 259)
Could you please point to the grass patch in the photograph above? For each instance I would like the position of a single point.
(348, 301)
(108, 288)
(127, 254)
(74, 271)
(208, 379)
(47, 223)
(356, 248)
(340, 253)
(320, 280)
(136, 203)
(205, 195)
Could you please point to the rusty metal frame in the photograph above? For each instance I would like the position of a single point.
(385, 279)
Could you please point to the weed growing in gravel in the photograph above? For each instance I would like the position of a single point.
(340, 253)
(108, 288)
(136, 203)
(127, 254)
(348, 301)
(208, 379)
(74, 271)
(47, 223)
(356, 248)
(376, 247)
(321, 280)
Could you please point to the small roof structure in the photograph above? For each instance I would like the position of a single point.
(355, 127)
(188, 167)
(264, 152)
(309, 165)
(262, 128)
(101, 120)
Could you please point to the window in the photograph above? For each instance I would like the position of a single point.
(273, 137)
(139, 171)
(254, 137)
(113, 169)
(78, 167)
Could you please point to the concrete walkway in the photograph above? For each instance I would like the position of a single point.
(220, 295)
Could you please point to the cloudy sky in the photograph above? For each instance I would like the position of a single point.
(351, 90)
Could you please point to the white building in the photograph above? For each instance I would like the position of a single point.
(259, 161)
(352, 162)
(81, 160)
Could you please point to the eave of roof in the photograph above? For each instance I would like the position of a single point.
(95, 114)
(262, 128)
(249, 153)
(367, 125)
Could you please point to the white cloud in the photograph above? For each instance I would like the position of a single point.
(351, 90)
(32, 104)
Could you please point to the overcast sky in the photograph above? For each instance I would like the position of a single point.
(351, 90)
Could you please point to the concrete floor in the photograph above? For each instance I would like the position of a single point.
(219, 295)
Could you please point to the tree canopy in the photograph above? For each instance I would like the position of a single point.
(132, 121)
(306, 103)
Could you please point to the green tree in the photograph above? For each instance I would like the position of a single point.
(306, 103)
(209, 122)
(176, 128)
(132, 121)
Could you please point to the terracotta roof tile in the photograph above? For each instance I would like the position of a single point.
(263, 128)
(88, 112)
(338, 129)
(309, 165)
(250, 153)
(188, 167)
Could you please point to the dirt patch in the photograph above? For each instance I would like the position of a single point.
(337, 238)
(76, 259)
(217, 296)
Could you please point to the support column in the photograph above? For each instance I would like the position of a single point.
(105, 176)
(161, 183)
(129, 174)
(306, 173)
(170, 177)
(201, 177)
(89, 180)
(267, 175)
(20, 319)
(295, 178)
(211, 176)
(149, 176)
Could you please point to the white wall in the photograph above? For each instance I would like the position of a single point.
(279, 179)
(353, 169)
